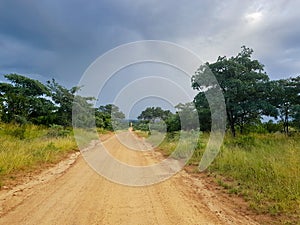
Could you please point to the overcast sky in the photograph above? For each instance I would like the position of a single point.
(61, 38)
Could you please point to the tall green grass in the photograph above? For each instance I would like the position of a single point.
(177, 144)
(26, 147)
(266, 168)
(263, 168)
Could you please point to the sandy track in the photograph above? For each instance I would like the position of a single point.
(81, 196)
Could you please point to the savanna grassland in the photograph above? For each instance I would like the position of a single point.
(262, 168)
(25, 148)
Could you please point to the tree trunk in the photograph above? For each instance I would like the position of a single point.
(286, 122)
(232, 128)
(231, 123)
(287, 126)
(241, 128)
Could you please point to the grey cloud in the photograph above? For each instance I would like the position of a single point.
(61, 38)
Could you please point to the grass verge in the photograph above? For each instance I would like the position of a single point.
(263, 168)
(28, 147)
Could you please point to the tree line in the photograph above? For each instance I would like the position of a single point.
(25, 100)
(249, 96)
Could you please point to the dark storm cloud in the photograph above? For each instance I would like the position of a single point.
(61, 38)
(57, 38)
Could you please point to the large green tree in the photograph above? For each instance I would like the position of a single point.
(152, 113)
(242, 81)
(284, 94)
(25, 100)
(159, 118)
(66, 100)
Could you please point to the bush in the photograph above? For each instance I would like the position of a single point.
(272, 127)
(141, 125)
(58, 131)
(24, 147)
(18, 132)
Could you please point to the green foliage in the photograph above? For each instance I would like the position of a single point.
(159, 126)
(155, 118)
(184, 119)
(56, 131)
(272, 127)
(18, 132)
(285, 97)
(23, 100)
(173, 123)
(22, 131)
(141, 125)
(25, 147)
(152, 113)
(204, 113)
(66, 100)
(296, 116)
(188, 116)
(245, 142)
(26, 86)
(263, 168)
(242, 82)
(83, 112)
(268, 174)
(109, 117)
(170, 143)
(179, 144)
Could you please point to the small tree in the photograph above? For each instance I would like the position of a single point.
(109, 116)
(284, 95)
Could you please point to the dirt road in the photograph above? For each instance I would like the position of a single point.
(80, 196)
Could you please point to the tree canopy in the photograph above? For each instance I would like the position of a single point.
(25, 100)
(109, 116)
(152, 113)
(243, 83)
